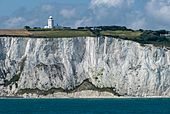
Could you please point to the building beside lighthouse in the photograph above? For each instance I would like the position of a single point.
(50, 23)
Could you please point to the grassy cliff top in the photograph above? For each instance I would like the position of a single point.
(14, 32)
(142, 36)
(67, 33)
(44, 34)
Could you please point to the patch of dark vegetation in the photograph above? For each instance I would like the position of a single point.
(28, 28)
(150, 36)
(40, 92)
(85, 85)
(41, 65)
(157, 38)
(16, 77)
(22, 63)
(105, 28)
(57, 70)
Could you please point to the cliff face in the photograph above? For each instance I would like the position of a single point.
(126, 67)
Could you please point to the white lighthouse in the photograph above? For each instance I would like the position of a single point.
(50, 23)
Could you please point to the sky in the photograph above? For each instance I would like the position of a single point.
(134, 14)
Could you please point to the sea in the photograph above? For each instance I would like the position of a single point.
(86, 106)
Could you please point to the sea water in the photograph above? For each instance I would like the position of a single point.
(85, 106)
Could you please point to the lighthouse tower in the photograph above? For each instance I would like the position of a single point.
(50, 22)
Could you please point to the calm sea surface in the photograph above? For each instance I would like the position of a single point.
(85, 106)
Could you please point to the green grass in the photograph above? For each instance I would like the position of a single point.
(138, 36)
(61, 33)
(145, 37)
(43, 33)
(131, 35)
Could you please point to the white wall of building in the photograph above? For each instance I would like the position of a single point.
(50, 23)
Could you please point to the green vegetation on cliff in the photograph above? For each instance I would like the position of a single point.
(61, 33)
(85, 85)
(159, 38)
(123, 34)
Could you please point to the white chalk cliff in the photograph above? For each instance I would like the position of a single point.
(69, 65)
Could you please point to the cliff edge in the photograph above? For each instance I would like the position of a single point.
(100, 65)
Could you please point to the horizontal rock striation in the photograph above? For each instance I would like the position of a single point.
(105, 64)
